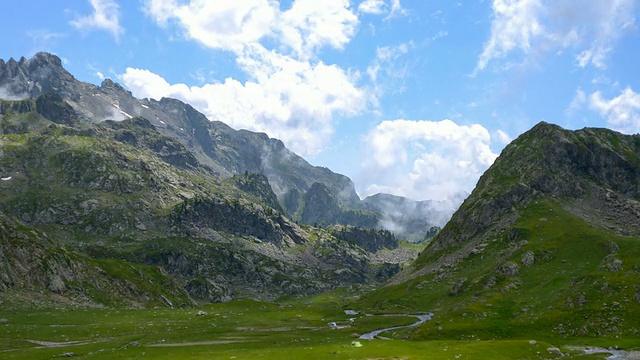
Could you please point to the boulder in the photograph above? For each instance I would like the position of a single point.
(508, 269)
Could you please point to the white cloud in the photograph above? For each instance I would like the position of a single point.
(388, 70)
(220, 24)
(310, 25)
(376, 7)
(44, 36)
(578, 101)
(622, 112)
(592, 27)
(289, 94)
(515, 24)
(106, 16)
(385, 57)
(231, 25)
(426, 159)
(396, 10)
(503, 137)
(614, 18)
(289, 99)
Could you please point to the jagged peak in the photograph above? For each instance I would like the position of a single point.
(39, 60)
(46, 58)
(108, 83)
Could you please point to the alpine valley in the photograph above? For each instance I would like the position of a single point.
(135, 228)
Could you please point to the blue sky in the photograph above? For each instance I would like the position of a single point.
(413, 98)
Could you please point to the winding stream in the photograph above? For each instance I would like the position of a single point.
(615, 354)
(421, 320)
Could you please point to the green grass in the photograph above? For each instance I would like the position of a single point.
(568, 293)
(240, 330)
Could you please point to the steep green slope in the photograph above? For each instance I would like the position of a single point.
(547, 245)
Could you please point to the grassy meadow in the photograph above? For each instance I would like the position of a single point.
(296, 329)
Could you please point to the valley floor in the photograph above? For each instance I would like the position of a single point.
(245, 330)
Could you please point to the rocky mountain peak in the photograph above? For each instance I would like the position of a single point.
(41, 74)
(42, 59)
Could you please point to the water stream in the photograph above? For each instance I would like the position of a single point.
(421, 320)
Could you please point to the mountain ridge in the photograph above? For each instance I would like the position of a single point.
(120, 192)
(216, 146)
(544, 245)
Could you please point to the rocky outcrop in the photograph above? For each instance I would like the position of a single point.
(53, 108)
(368, 239)
(30, 261)
(321, 208)
(258, 185)
(16, 107)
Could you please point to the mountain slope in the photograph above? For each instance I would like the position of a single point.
(223, 151)
(121, 190)
(31, 262)
(547, 244)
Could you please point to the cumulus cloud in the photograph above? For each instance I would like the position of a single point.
(578, 101)
(396, 10)
(289, 99)
(289, 94)
(426, 159)
(106, 16)
(386, 56)
(310, 25)
(591, 27)
(304, 28)
(224, 24)
(622, 112)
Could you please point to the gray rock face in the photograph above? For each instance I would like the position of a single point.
(53, 107)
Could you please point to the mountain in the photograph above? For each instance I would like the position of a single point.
(406, 218)
(121, 200)
(223, 151)
(547, 244)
